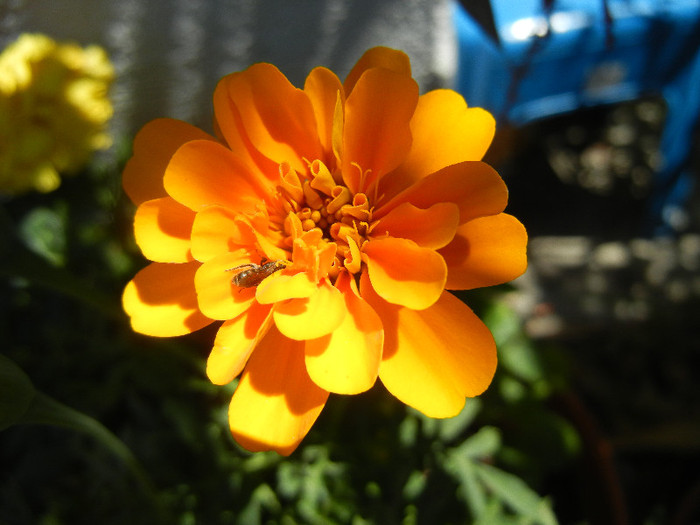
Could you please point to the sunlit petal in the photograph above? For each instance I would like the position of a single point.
(217, 230)
(323, 88)
(475, 187)
(204, 173)
(276, 118)
(314, 317)
(436, 357)
(162, 302)
(379, 57)
(217, 296)
(235, 341)
(283, 287)
(445, 132)
(154, 146)
(486, 251)
(162, 228)
(380, 106)
(276, 403)
(404, 273)
(432, 228)
(346, 361)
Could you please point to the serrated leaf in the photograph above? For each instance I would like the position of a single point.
(469, 488)
(515, 494)
(484, 443)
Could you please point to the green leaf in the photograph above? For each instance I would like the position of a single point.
(44, 232)
(263, 498)
(451, 428)
(19, 262)
(514, 493)
(461, 467)
(520, 358)
(503, 322)
(16, 393)
(485, 443)
(415, 485)
(47, 411)
(460, 463)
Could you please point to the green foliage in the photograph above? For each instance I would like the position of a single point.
(141, 436)
(16, 393)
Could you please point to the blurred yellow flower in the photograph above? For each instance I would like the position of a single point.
(323, 226)
(53, 111)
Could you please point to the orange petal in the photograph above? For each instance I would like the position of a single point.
(322, 88)
(284, 287)
(381, 57)
(227, 125)
(235, 341)
(203, 173)
(346, 361)
(486, 251)
(154, 145)
(432, 228)
(310, 318)
(162, 302)
(276, 403)
(434, 358)
(273, 116)
(475, 187)
(162, 228)
(377, 135)
(218, 297)
(445, 132)
(403, 273)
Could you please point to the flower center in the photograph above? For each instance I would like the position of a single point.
(321, 215)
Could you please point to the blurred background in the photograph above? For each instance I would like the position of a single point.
(594, 416)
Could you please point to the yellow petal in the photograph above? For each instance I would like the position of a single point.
(475, 187)
(432, 228)
(445, 132)
(403, 273)
(273, 116)
(154, 145)
(162, 302)
(310, 318)
(276, 403)
(215, 232)
(434, 358)
(217, 296)
(235, 341)
(283, 287)
(346, 361)
(377, 135)
(203, 173)
(381, 57)
(162, 228)
(486, 251)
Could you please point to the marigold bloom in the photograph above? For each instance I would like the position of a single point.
(53, 110)
(369, 201)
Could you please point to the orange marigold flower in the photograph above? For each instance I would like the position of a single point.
(323, 226)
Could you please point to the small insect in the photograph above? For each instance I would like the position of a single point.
(252, 274)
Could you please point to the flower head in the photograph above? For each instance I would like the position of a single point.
(323, 225)
(53, 109)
